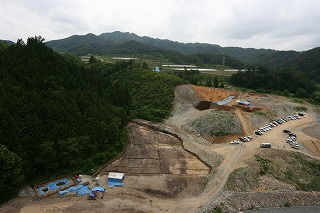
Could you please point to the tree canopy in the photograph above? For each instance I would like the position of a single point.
(274, 80)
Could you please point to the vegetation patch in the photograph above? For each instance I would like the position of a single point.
(300, 108)
(242, 179)
(220, 133)
(264, 165)
(293, 168)
(260, 112)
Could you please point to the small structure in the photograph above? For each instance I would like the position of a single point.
(244, 103)
(115, 179)
(156, 69)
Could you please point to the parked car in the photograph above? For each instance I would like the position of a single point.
(289, 140)
(245, 139)
(258, 132)
(286, 131)
(235, 142)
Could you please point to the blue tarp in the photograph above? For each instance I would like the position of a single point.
(224, 101)
(112, 182)
(98, 189)
(39, 190)
(242, 102)
(83, 191)
(66, 181)
(72, 189)
(53, 186)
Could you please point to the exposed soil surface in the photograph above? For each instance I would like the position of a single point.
(180, 166)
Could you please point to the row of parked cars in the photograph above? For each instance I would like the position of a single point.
(292, 139)
(275, 123)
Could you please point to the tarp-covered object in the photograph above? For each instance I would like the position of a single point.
(49, 188)
(225, 101)
(98, 189)
(83, 191)
(79, 189)
(242, 102)
(114, 182)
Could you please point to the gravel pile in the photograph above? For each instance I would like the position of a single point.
(241, 201)
(214, 122)
(249, 200)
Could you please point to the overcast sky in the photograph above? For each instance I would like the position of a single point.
(274, 24)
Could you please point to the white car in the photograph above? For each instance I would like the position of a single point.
(289, 140)
(235, 142)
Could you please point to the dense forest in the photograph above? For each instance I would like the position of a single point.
(60, 116)
(281, 81)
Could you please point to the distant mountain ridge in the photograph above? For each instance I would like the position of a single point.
(7, 42)
(247, 55)
(124, 43)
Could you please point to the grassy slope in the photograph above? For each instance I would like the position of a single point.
(292, 168)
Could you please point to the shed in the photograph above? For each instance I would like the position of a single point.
(115, 179)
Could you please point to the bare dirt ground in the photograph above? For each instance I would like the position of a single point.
(170, 167)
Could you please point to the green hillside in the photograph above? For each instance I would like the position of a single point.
(59, 116)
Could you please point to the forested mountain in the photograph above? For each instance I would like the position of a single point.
(245, 55)
(58, 115)
(308, 62)
(118, 43)
(82, 45)
(7, 42)
(277, 59)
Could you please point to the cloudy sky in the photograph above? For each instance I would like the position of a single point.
(274, 24)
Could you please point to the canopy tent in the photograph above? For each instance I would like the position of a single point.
(115, 179)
